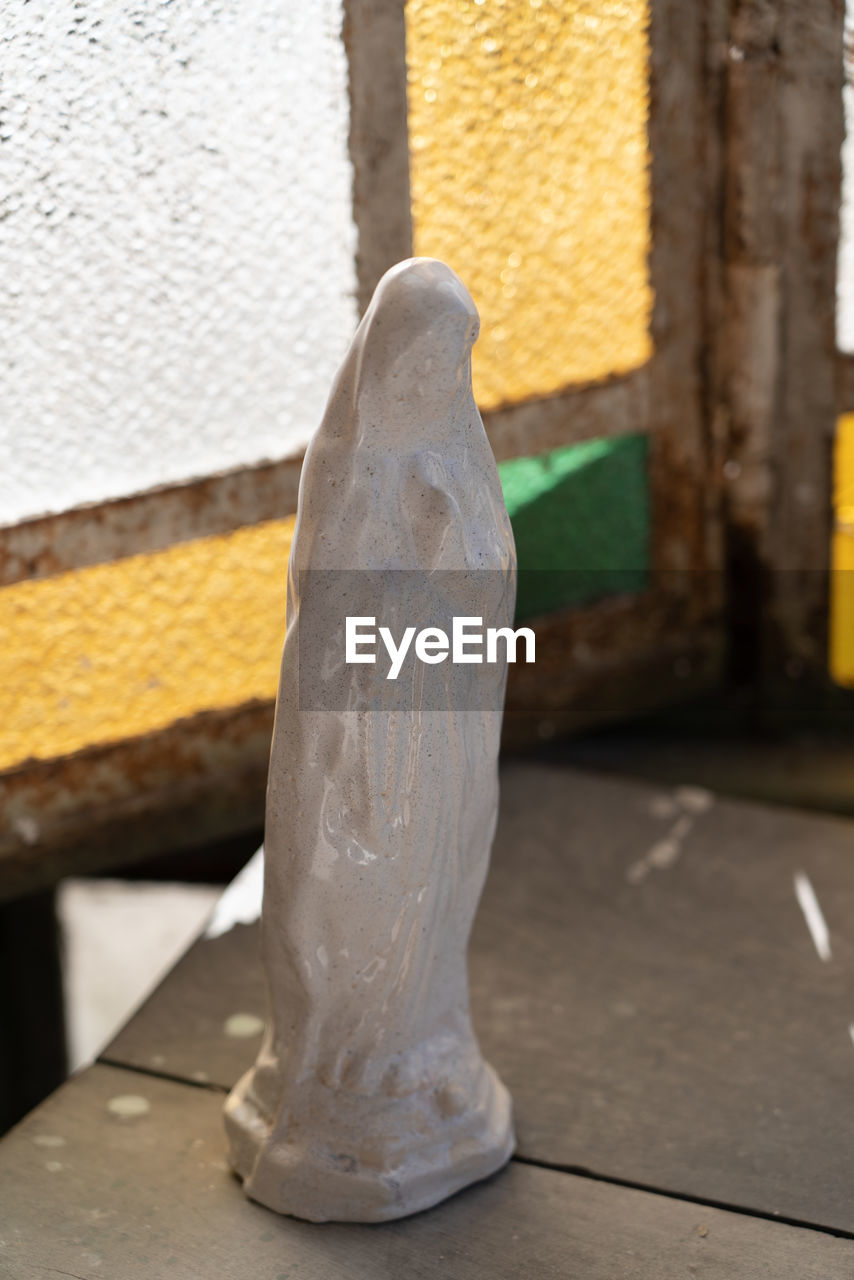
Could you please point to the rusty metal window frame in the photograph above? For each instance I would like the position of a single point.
(204, 777)
(778, 382)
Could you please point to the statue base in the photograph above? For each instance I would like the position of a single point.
(424, 1148)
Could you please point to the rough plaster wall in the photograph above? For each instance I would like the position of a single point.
(177, 246)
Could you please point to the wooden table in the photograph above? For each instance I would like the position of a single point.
(644, 979)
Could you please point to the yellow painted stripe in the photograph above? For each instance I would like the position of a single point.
(121, 649)
(530, 176)
(843, 468)
(842, 583)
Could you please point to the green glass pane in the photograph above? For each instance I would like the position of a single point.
(580, 516)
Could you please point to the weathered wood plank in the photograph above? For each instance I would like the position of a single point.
(686, 516)
(648, 987)
(202, 778)
(812, 132)
(614, 407)
(644, 980)
(198, 780)
(612, 659)
(90, 1195)
(776, 384)
(375, 38)
(147, 522)
(808, 771)
(159, 518)
(844, 383)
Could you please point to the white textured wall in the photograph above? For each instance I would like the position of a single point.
(177, 244)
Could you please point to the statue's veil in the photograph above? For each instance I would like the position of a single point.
(400, 417)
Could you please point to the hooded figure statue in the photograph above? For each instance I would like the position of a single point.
(370, 1098)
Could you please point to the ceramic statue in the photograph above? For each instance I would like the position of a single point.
(370, 1098)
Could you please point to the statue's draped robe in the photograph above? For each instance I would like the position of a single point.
(379, 822)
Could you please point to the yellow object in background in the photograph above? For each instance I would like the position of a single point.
(842, 560)
(530, 177)
(121, 649)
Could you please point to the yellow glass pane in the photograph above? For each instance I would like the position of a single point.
(842, 581)
(120, 649)
(530, 177)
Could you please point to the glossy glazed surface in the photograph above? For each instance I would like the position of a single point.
(370, 1098)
